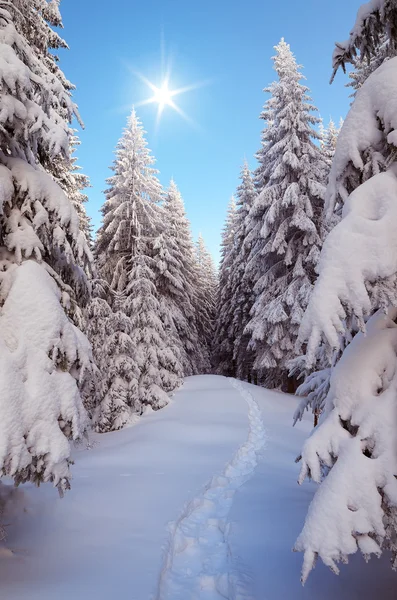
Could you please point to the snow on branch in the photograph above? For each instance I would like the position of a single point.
(356, 438)
(36, 377)
(373, 20)
(370, 123)
(361, 248)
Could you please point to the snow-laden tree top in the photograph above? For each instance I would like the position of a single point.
(130, 213)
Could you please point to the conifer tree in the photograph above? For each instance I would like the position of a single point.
(131, 215)
(127, 248)
(235, 296)
(175, 275)
(356, 439)
(156, 353)
(206, 285)
(44, 255)
(37, 27)
(289, 211)
(243, 297)
(328, 139)
(223, 340)
(113, 389)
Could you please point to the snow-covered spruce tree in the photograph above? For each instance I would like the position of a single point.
(355, 507)
(328, 141)
(125, 248)
(175, 275)
(36, 25)
(156, 352)
(290, 211)
(235, 297)
(223, 339)
(242, 297)
(316, 386)
(113, 389)
(131, 212)
(43, 254)
(206, 282)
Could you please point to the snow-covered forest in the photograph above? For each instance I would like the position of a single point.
(134, 327)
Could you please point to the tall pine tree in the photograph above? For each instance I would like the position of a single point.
(223, 340)
(328, 139)
(289, 210)
(44, 254)
(206, 282)
(243, 296)
(127, 252)
(175, 281)
(356, 437)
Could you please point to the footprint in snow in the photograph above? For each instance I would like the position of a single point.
(198, 562)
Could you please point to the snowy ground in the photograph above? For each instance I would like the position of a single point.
(197, 501)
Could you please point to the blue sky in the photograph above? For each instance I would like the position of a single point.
(229, 43)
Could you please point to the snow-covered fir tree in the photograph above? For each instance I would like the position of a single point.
(206, 281)
(43, 254)
(262, 172)
(289, 210)
(328, 139)
(228, 231)
(355, 507)
(235, 296)
(175, 281)
(243, 294)
(131, 212)
(113, 389)
(156, 352)
(127, 252)
(41, 35)
(223, 340)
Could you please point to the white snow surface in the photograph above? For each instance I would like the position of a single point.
(206, 485)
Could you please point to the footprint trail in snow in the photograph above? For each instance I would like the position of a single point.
(198, 563)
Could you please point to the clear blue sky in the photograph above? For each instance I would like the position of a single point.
(227, 42)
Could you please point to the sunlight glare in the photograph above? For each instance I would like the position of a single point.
(163, 95)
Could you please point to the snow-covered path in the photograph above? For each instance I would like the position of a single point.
(231, 539)
(109, 532)
(198, 562)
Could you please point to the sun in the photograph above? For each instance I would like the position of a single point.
(163, 95)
